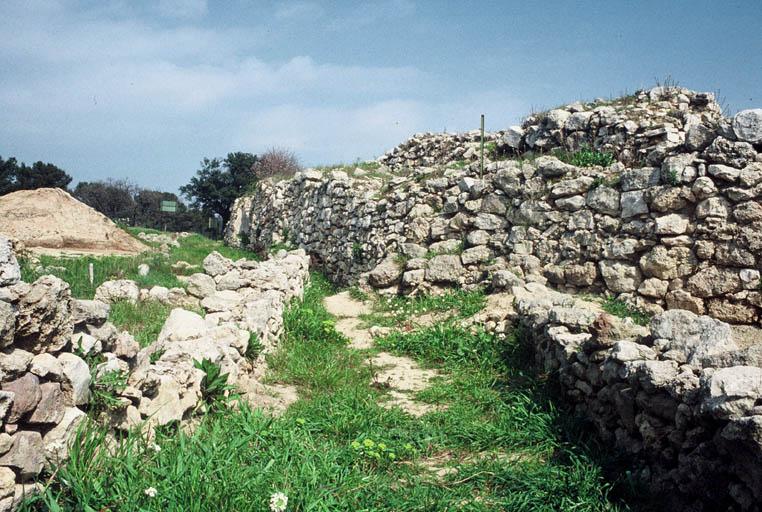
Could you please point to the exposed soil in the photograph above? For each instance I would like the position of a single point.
(50, 221)
(400, 376)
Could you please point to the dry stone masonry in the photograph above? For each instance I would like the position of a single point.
(54, 349)
(670, 226)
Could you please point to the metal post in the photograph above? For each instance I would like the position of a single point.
(481, 167)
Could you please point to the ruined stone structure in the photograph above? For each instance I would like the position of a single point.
(55, 349)
(670, 225)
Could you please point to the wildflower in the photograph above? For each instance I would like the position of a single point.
(155, 447)
(369, 443)
(381, 446)
(278, 502)
(356, 445)
(151, 492)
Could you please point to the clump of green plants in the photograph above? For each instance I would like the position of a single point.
(356, 251)
(254, 348)
(105, 390)
(214, 385)
(621, 309)
(586, 157)
(672, 178)
(379, 454)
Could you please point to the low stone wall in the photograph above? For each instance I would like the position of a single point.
(680, 230)
(47, 339)
(678, 398)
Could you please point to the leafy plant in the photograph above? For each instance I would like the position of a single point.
(586, 157)
(379, 454)
(105, 390)
(254, 348)
(214, 385)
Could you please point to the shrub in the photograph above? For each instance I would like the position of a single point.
(276, 162)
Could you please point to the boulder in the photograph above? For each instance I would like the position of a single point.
(43, 318)
(604, 199)
(26, 395)
(46, 366)
(747, 125)
(50, 408)
(620, 277)
(446, 268)
(215, 264)
(121, 289)
(93, 312)
(730, 393)
(223, 300)
(13, 363)
(201, 285)
(7, 324)
(76, 378)
(691, 335)
(58, 439)
(386, 274)
(27, 454)
(10, 273)
(182, 325)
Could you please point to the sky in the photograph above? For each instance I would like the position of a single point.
(146, 90)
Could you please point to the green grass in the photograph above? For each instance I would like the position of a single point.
(326, 451)
(193, 249)
(621, 309)
(586, 157)
(143, 320)
(397, 310)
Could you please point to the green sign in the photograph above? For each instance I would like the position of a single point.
(169, 206)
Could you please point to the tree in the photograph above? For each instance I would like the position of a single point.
(113, 198)
(41, 175)
(219, 183)
(7, 175)
(276, 162)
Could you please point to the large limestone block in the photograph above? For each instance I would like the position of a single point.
(27, 454)
(732, 392)
(43, 318)
(201, 285)
(10, 273)
(620, 277)
(446, 268)
(76, 377)
(93, 312)
(747, 125)
(386, 274)
(121, 289)
(691, 336)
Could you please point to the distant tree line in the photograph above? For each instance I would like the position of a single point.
(211, 192)
(19, 176)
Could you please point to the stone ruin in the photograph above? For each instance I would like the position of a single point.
(671, 227)
(47, 338)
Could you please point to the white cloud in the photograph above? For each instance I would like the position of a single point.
(107, 93)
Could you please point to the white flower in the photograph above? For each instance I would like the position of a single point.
(155, 447)
(151, 492)
(278, 502)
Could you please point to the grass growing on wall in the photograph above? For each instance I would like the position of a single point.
(337, 449)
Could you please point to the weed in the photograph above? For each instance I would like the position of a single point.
(585, 157)
(214, 385)
(672, 178)
(105, 390)
(394, 311)
(356, 251)
(621, 309)
(254, 348)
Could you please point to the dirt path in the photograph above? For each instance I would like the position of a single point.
(400, 375)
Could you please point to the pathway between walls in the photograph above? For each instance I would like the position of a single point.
(401, 376)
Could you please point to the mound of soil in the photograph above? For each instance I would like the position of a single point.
(49, 220)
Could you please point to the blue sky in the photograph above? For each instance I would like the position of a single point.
(146, 90)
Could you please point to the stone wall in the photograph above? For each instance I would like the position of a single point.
(670, 226)
(54, 349)
(674, 222)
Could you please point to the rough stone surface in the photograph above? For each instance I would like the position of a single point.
(114, 291)
(43, 319)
